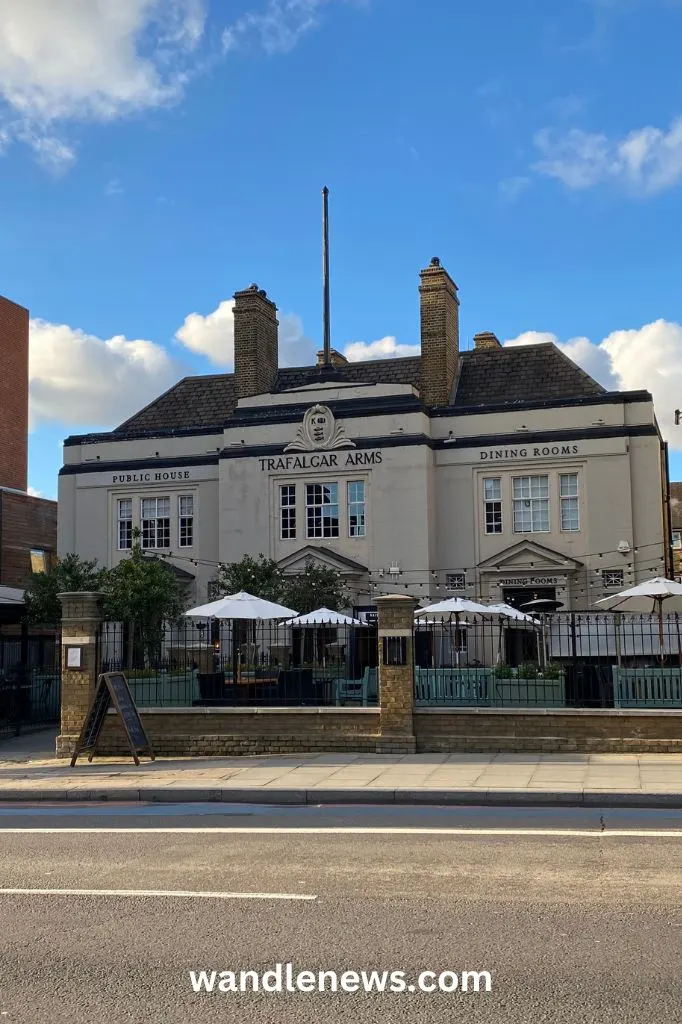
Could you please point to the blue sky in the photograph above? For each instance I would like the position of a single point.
(157, 156)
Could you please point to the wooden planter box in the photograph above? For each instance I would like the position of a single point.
(647, 687)
(537, 692)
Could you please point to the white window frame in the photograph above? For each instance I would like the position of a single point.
(310, 506)
(493, 506)
(677, 544)
(186, 521)
(531, 502)
(155, 519)
(569, 500)
(290, 509)
(455, 582)
(613, 578)
(357, 509)
(120, 520)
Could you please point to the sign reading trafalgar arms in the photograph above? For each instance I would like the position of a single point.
(320, 435)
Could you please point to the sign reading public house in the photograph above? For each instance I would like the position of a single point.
(158, 477)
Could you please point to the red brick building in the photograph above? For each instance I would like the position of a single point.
(28, 525)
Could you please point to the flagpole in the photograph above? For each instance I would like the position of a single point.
(325, 276)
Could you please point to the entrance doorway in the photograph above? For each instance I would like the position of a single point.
(521, 645)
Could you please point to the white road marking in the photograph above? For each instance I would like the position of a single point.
(176, 893)
(628, 833)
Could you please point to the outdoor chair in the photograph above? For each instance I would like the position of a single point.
(358, 689)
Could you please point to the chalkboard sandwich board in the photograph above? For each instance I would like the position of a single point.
(112, 689)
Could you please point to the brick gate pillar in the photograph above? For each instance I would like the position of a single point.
(396, 673)
(81, 619)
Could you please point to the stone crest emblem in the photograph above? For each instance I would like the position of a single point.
(319, 431)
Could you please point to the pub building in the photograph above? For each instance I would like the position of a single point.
(491, 472)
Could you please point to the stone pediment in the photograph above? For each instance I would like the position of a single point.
(326, 557)
(528, 556)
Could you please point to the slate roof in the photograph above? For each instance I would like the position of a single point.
(205, 401)
(487, 377)
(375, 371)
(521, 373)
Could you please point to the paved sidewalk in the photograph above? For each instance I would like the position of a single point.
(625, 779)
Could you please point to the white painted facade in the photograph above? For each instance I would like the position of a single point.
(424, 480)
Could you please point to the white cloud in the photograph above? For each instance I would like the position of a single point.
(90, 60)
(383, 348)
(278, 26)
(35, 493)
(77, 378)
(295, 347)
(649, 357)
(644, 162)
(213, 336)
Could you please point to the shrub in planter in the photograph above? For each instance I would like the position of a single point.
(528, 670)
(504, 672)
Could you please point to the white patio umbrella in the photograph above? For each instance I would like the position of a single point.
(508, 611)
(647, 597)
(452, 606)
(446, 610)
(240, 607)
(323, 617)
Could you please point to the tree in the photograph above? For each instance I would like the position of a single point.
(260, 576)
(71, 573)
(144, 593)
(316, 587)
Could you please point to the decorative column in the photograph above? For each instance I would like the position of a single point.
(396, 673)
(81, 619)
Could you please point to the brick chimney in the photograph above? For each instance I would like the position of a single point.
(255, 342)
(13, 395)
(336, 358)
(439, 333)
(486, 339)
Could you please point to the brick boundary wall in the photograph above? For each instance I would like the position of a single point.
(228, 731)
(395, 727)
(235, 731)
(480, 731)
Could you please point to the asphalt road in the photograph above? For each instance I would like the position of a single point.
(583, 927)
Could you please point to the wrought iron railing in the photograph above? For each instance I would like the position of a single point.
(261, 664)
(550, 661)
(29, 682)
